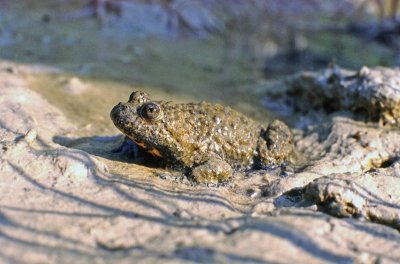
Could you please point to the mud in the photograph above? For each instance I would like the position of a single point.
(68, 198)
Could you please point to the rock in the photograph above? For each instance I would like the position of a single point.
(158, 18)
(17, 105)
(374, 195)
(340, 145)
(197, 17)
(75, 86)
(372, 94)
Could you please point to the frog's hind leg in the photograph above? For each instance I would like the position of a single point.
(275, 145)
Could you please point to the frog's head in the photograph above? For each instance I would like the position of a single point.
(141, 120)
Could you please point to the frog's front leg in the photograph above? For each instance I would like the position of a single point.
(127, 148)
(131, 150)
(214, 170)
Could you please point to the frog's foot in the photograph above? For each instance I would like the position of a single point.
(214, 170)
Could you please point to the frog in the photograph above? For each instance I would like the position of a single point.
(208, 142)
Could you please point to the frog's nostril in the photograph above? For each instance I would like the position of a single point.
(120, 107)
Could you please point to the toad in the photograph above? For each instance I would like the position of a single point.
(207, 141)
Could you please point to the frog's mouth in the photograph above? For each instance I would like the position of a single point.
(153, 151)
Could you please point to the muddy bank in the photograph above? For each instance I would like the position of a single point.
(68, 198)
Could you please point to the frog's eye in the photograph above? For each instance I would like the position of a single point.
(151, 111)
(138, 97)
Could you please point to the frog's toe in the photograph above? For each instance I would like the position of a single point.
(212, 171)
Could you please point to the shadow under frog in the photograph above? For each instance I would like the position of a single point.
(104, 146)
(207, 141)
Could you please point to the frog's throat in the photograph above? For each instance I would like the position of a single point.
(153, 151)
